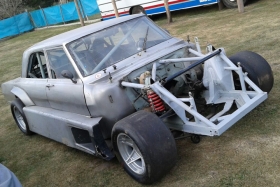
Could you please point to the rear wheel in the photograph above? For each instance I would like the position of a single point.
(232, 3)
(258, 69)
(144, 146)
(19, 117)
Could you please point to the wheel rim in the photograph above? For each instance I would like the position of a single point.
(131, 154)
(19, 118)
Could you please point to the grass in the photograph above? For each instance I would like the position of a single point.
(245, 155)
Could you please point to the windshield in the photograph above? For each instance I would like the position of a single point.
(104, 48)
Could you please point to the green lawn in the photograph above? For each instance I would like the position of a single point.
(245, 155)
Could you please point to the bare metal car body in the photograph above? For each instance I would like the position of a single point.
(77, 85)
(58, 104)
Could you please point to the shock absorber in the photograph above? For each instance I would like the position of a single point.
(155, 101)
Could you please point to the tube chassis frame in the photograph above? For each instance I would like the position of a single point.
(219, 91)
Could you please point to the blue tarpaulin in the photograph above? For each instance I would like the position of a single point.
(38, 18)
(69, 12)
(63, 13)
(45, 17)
(53, 15)
(90, 7)
(15, 25)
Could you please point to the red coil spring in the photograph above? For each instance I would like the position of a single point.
(155, 102)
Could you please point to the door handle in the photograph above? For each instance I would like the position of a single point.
(49, 85)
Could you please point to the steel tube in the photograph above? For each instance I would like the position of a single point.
(196, 53)
(133, 85)
(158, 88)
(241, 78)
(197, 45)
(154, 71)
(181, 60)
(229, 63)
(170, 78)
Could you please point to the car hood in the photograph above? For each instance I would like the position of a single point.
(136, 61)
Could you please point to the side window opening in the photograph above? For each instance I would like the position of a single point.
(37, 66)
(59, 61)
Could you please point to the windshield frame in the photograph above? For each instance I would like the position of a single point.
(150, 24)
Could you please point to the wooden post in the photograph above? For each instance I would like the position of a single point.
(31, 19)
(115, 8)
(45, 18)
(169, 18)
(83, 11)
(79, 13)
(240, 6)
(61, 13)
(221, 5)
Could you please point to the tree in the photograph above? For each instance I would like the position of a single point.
(9, 8)
(36, 3)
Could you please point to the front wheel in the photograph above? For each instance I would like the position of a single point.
(232, 3)
(144, 146)
(131, 154)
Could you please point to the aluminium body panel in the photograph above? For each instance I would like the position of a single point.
(35, 89)
(30, 94)
(56, 125)
(59, 94)
(6, 88)
(22, 95)
(107, 100)
(67, 96)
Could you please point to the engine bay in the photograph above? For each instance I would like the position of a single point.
(181, 86)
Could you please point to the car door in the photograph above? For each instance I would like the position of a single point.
(62, 93)
(34, 84)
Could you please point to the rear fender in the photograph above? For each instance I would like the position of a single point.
(22, 95)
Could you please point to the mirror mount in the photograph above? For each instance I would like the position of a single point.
(68, 75)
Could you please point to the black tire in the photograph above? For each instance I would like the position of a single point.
(137, 10)
(232, 3)
(195, 139)
(153, 142)
(258, 69)
(19, 117)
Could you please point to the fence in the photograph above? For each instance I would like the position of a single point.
(44, 17)
(15, 25)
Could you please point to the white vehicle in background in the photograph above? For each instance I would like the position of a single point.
(151, 7)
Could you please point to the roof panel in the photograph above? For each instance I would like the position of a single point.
(72, 35)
